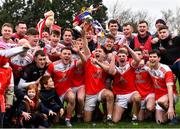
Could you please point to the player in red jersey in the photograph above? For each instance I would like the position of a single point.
(165, 88)
(61, 72)
(96, 70)
(7, 81)
(95, 75)
(123, 85)
(145, 87)
(78, 78)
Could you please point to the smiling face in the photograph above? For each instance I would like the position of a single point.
(154, 60)
(113, 28)
(122, 58)
(6, 32)
(31, 93)
(40, 61)
(33, 40)
(163, 34)
(99, 54)
(139, 53)
(109, 44)
(49, 85)
(79, 41)
(66, 56)
(67, 37)
(127, 31)
(89, 35)
(45, 35)
(21, 29)
(54, 39)
(142, 29)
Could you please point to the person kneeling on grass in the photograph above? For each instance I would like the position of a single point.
(123, 85)
(165, 89)
(95, 75)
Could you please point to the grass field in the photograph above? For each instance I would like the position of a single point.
(126, 123)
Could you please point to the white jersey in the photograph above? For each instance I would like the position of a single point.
(22, 61)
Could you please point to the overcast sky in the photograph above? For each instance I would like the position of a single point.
(153, 7)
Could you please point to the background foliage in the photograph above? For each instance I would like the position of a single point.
(31, 11)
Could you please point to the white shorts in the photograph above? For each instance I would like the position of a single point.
(143, 102)
(75, 89)
(91, 100)
(123, 100)
(62, 96)
(158, 107)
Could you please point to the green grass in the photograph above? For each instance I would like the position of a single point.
(126, 123)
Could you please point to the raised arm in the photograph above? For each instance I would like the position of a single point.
(87, 52)
(75, 47)
(23, 84)
(14, 51)
(103, 65)
(112, 69)
(135, 57)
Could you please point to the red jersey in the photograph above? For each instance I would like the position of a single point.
(94, 78)
(16, 37)
(145, 46)
(61, 75)
(5, 81)
(124, 80)
(54, 56)
(162, 77)
(3, 60)
(143, 82)
(78, 77)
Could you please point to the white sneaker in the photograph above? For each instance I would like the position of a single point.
(68, 123)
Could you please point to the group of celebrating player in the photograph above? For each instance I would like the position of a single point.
(128, 71)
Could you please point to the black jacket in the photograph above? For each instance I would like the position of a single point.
(172, 49)
(50, 98)
(32, 72)
(40, 108)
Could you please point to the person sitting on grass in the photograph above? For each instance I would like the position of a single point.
(165, 89)
(34, 113)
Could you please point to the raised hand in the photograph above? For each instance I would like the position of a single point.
(83, 34)
(75, 46)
